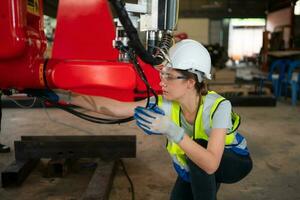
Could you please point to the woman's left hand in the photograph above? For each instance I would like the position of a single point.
(156, 123)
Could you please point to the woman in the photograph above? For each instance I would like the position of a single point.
(199, 125)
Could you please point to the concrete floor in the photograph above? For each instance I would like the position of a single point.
(273, 135)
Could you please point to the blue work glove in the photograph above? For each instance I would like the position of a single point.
(153, 108)
(153, 122)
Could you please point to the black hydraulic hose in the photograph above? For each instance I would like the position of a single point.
(139, 71)
(129, 179)
(142, 75)
(85, 116)
(94, 119)
(132, 34)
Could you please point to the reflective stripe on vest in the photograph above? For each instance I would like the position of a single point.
(212, 100)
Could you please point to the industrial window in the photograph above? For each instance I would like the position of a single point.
(297, 8)
(245, 38)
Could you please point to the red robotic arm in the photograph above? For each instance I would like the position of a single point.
(83, 58)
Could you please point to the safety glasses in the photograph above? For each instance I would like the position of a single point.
(169, 77)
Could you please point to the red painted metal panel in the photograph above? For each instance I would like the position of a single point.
(21, 73)
(110, 79)
(21, 63)
(74, 74)
(12, 33)
(84, 31)
(153, 79)
(121, 95)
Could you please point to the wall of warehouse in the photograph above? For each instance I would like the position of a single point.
(279, 18)
(196, 28)
(216, 32)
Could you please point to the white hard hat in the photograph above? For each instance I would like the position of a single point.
(192, 56)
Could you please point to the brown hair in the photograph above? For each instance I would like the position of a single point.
(201, 88)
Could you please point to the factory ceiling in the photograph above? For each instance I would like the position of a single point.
(214, 9)
(230, 8)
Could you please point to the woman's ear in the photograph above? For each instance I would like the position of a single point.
(191, 83)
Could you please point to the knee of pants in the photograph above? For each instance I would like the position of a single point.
(233, 168)
(200, 178)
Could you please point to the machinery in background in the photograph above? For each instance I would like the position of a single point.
(218, 55)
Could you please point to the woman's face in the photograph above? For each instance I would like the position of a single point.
(174, 85)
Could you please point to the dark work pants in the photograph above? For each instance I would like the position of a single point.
(203, 186)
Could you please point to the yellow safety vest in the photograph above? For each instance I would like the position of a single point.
(174, 150)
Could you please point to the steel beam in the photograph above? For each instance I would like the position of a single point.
(101, 182)
(17, 172)
(30, 149)
(254, 100)
(59, 167)
(58, 147)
